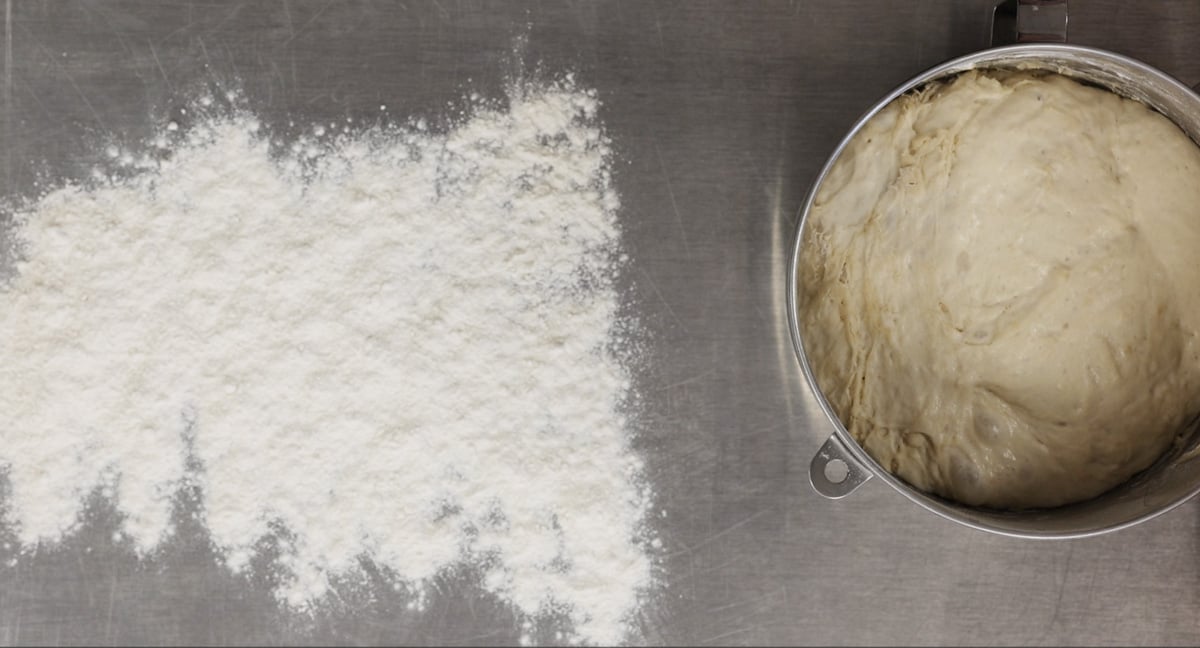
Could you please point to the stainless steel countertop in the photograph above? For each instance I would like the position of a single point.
(721, 114)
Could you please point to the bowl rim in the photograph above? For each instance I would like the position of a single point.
(974, 60)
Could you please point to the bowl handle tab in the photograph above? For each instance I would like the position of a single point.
(833, 472)
(1029, 21)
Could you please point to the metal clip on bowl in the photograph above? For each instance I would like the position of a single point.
(1029, 21)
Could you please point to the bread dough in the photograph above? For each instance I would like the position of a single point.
(1000, 288)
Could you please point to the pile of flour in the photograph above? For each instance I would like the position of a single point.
(396, 343)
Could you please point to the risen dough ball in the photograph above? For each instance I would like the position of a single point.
(1000, 288)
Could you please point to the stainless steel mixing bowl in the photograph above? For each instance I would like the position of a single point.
(841, 465)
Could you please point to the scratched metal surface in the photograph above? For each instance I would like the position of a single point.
(721, 113)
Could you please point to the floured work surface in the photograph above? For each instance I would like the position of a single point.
(718, 115)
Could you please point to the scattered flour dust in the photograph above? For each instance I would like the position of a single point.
(397, 344)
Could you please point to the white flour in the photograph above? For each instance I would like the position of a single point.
(397, 344)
